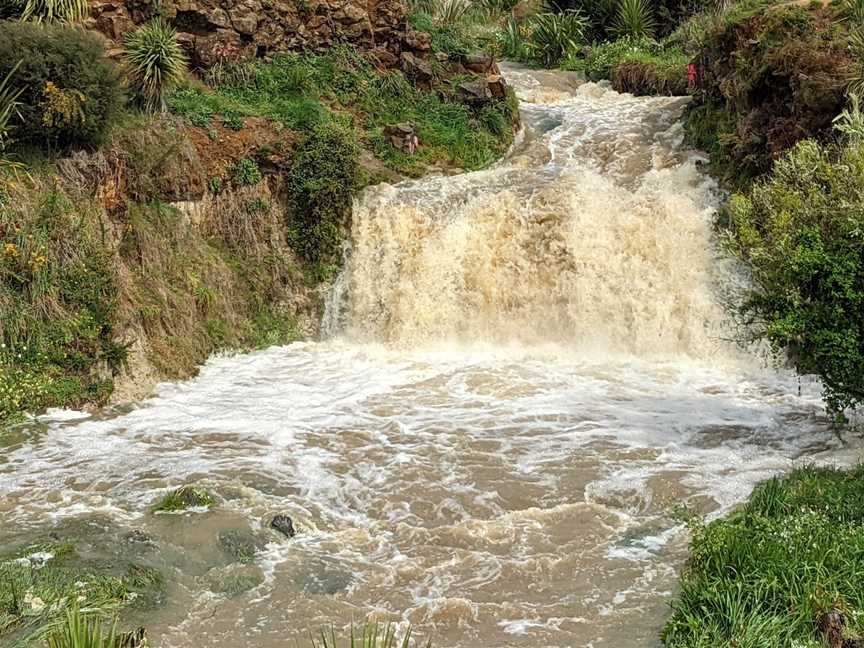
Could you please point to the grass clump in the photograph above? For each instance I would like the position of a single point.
(799, 231)
(40, 583)
(765, 575)
(184, 498)
(78, 630)
(371, 634)
(54, 11)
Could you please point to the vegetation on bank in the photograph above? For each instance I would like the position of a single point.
(149, 217)
(784, 570)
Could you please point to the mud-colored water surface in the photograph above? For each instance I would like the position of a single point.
(528, 373)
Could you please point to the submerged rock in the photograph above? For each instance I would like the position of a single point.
(235, 580)
(284, 525)
(241, 544)
(184, 498)
(137, 536)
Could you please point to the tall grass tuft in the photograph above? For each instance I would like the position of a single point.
(8, 108)
(55, 11)
(155, 62)
(78, 630)
(634, 19)
(850, 122)
(450, 12)
(369, 635)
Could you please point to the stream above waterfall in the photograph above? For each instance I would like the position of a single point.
(529, 374)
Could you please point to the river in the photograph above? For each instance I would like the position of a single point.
(528, 375)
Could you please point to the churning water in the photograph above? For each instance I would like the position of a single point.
(528, 373)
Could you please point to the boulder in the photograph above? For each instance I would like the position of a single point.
(284, 525)
(475, 93)
(418, 41)
(417, 69)
(383, 58)
(480, 64)
(497, 86)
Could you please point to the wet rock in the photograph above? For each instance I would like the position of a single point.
(320, 577)
(241, 545)
(284, 525)
(235, 580)
(403, 137)
(137, 536)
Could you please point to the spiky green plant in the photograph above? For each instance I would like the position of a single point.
(512, 40)
(369, 635)
(555, 35)
(850, 122)
(78, 630)
(450, 12)
(856, 44)
(8, 111)
(634, 19)
(155, 62)
(55, 11)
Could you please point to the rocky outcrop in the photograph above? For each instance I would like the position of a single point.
(214, 30)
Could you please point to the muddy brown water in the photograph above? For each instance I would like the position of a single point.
(526, 373)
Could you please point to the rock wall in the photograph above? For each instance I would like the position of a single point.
(217, 29)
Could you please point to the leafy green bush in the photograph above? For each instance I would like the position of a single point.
(322, 179)
(155, 62)
(800, 231)
(765, 575)
(71, 92)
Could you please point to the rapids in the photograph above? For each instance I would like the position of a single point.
(527, 373)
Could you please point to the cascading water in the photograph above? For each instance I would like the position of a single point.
(530, 374)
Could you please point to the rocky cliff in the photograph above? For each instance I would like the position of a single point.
(217, 29)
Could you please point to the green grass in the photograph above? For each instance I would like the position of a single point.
(184, 498)
(40, 582)
(305, 92)
(762, 576)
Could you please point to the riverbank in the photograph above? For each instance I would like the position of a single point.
(217, 225)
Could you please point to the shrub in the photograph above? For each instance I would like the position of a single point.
(71, 92)
(800, 231)
(634, 19)
(602, 59)
(154, 61)
(850, 123)
(245, 172)
(555, 35)
(321, 182)
(55, 11)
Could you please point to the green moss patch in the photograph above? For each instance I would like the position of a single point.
(183, 499)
